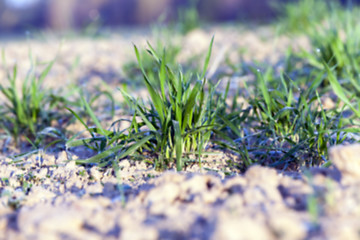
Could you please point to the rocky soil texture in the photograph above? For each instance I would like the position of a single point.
(72, 202)
(48, 197)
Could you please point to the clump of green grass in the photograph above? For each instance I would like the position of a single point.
(287, 126)
(27, 111)
(180, 118)
(295, 121)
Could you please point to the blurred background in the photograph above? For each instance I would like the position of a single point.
(19, 15)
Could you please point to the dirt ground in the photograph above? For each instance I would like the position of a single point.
(48, 197)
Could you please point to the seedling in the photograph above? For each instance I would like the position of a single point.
(27, 111)
(179, 119)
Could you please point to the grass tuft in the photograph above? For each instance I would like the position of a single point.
(29, 108)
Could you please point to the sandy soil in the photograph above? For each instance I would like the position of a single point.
(48, 197)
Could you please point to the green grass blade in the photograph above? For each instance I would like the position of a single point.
(92, 115)
(178, 145)
(189, 106)
(207, 60)
(145, 119)
(162, 76)
(230, 125)
(265, 93)
(46, 72)
(339, 91)
(81, 121)
(114, 150)
(156, 99)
